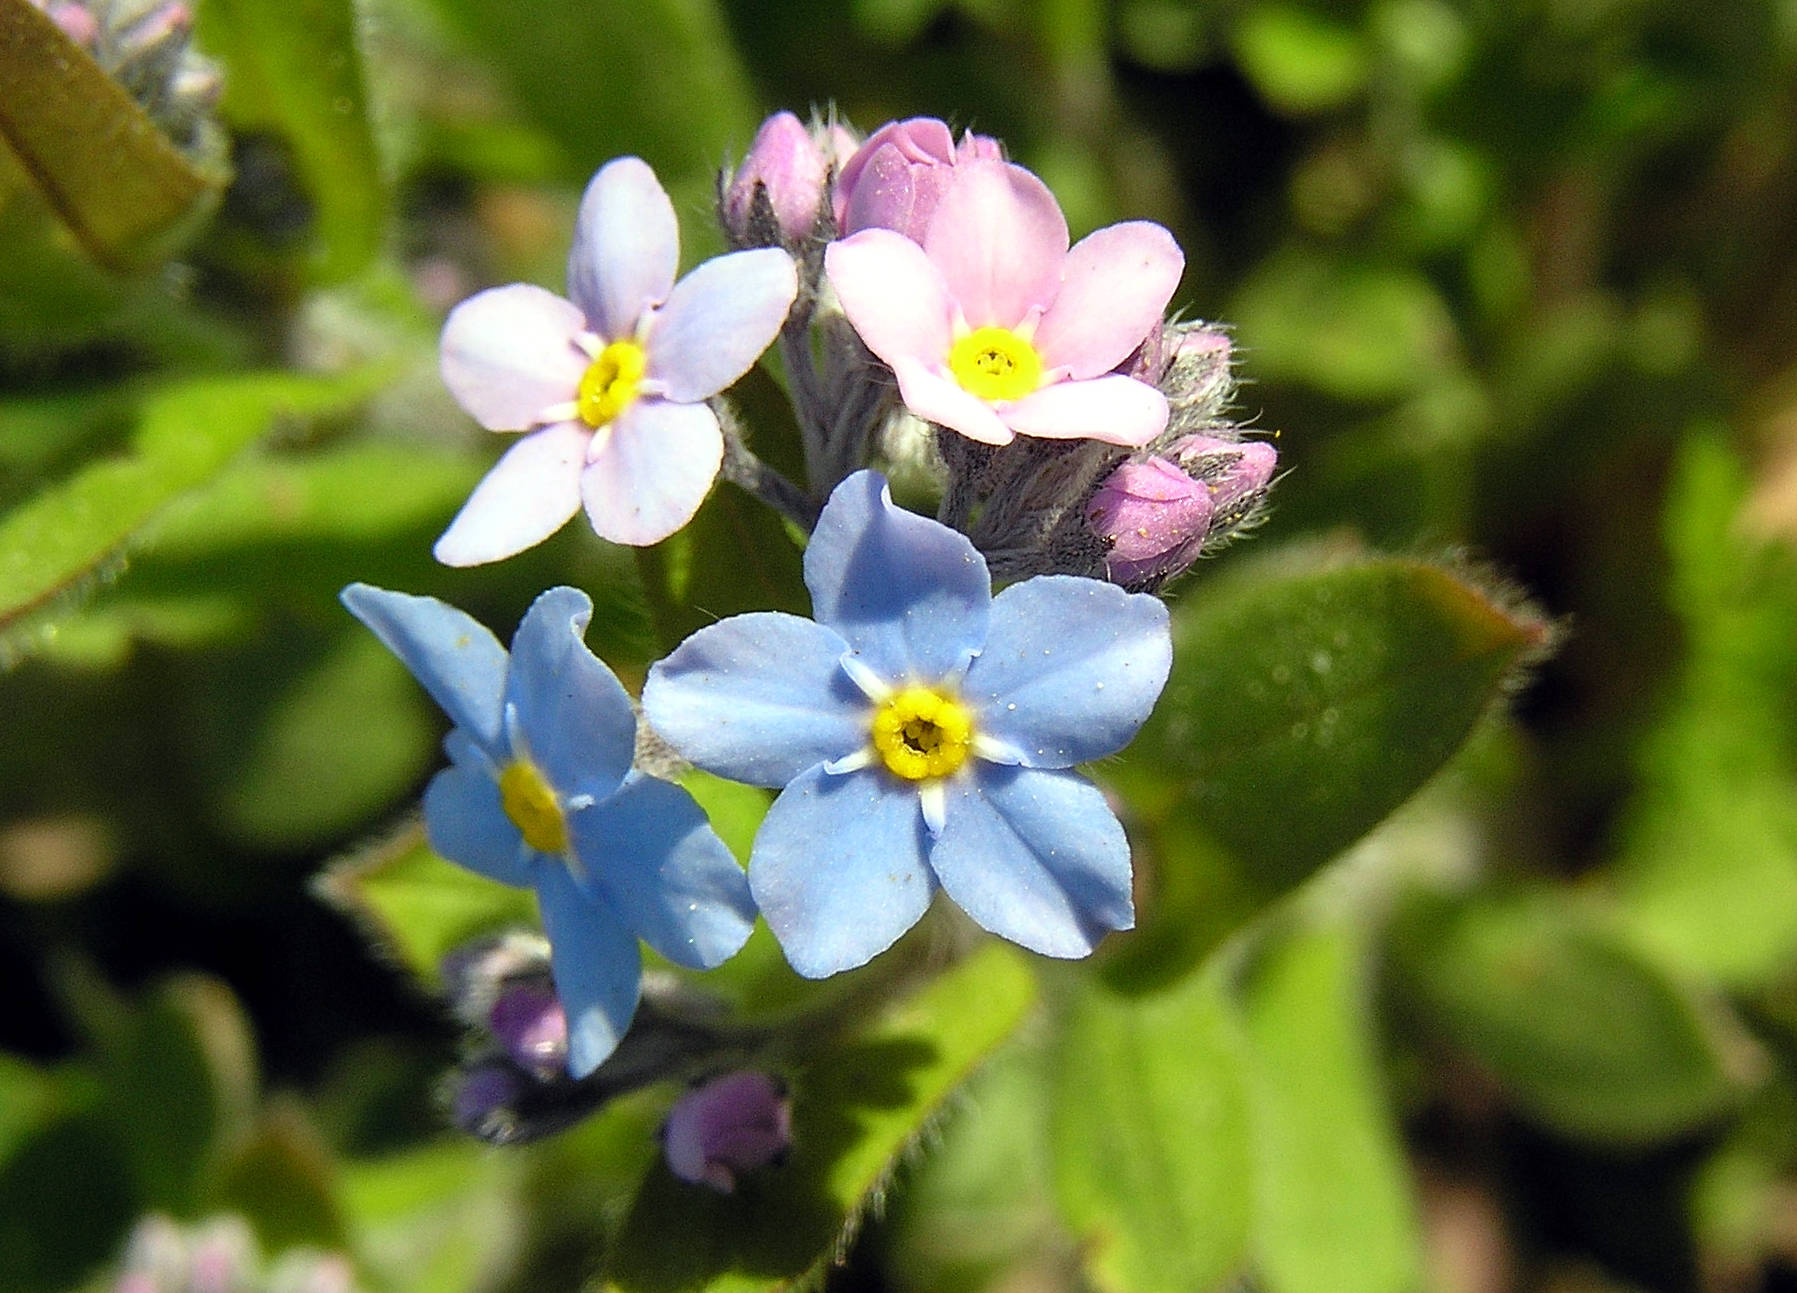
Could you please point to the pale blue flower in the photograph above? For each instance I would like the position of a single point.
(922, 731)
(540, 794)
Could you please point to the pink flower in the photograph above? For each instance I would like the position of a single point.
(1155, 518)
(730, 1125)
(899, 175)
(994, 328)
(610, 385)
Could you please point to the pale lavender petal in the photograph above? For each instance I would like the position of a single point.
(626, 247)
(596, 964)
(508, 353)
(529, 495)
(838, 868)
(465, 822)
(719, 320)
(1037, 857)
(574, 715)
(1071, 668)
(757, 698)
(1115, 286)
(999, 238)
(648, 472)
(909, 595)
(651, 852)
(452, 654)
(1117, 410)
(936, 398)
(893, 295)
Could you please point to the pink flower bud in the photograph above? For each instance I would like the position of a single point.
(1156, 518)
(1237, 471)
(896, 178)
(731, 1124)
(791, 166)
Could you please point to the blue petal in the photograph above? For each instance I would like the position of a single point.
(907, 593)
(1037, 857)
(757, 698)
(573, 712)
(838, 868)
(652, 855)
(465, 823)
(597, 968)
(459, 662)
(1071, 669)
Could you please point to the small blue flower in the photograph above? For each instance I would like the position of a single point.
(922, 731)
(540, 794)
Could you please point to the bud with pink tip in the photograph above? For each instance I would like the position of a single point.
(775, 197)
(896, 178)
(1238, 473)
(732, 1124)
(1155, 518)
(530, 1025)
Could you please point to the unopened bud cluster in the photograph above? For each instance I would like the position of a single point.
(145, 45)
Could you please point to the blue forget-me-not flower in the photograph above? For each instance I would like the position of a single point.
(923, 733)
(540, 794)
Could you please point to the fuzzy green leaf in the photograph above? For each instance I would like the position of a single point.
(859, 1103)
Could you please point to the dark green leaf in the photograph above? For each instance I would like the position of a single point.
(282, 1179)
(1151, 1137)
(1585, 1033)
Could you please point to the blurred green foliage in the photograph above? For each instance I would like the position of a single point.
(1459, 966)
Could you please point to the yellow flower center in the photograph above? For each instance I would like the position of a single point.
(611, 382)
(530, 802)
(921, 733)
(995, 364)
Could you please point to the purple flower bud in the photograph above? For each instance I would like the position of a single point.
(528, 1021)
(485, 1100)
(731, 1124)
(1155, 518)
(896, 178)
(790, 166)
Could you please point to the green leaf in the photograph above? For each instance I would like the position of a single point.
(1151, 1137)
(1299, 59)
(119, 182)
(659, 78)
(417, 906)
(186, 433)
(1355, 331)
(859, 1103)
(1708, 872)
(1306, 703)
(181, 1084)
(1332, 1200)
(295, 69)
(282, 1179)
(1519, 983)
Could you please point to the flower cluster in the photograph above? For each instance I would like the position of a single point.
(922, 731)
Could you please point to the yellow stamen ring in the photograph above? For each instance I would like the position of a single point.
(920, 733)
(611, 383)
(530, 802)
(995, 364)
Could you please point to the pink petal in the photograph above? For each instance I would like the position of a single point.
(919, 139)
(508, 353)
(1117, 410)
(1115, 285)
(719, 320)
(648, 475)
(999, 238)
(528, 496)
(936, 398)
(626, 247)
(893, 295)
